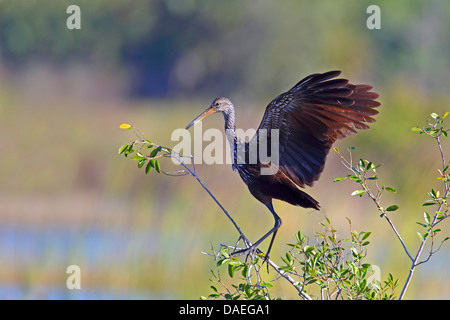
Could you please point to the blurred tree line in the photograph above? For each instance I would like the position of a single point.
(185, 47)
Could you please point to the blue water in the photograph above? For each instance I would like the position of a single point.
(33, 254)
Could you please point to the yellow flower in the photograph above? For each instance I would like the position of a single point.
(125, 126)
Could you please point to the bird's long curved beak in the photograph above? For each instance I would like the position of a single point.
(206, 113)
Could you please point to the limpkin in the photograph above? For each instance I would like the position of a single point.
(309, 117)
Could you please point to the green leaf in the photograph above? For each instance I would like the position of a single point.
(440, 215)
(137, 157)
(129, 150)
(416, 129)
(123, 148)
(336, 150)
(390, 189)
(157, 167)
(354, 178)
(231, 270)
(339, 179)
(434, 194)
(392, 208)
(422, 224)
(366, 235)
(224, 252)
(266, 284)
(445, 114)
(361, 164)
(308, 249)
(248, 290)
(359, 192)
(235, 262)
(245, 270)
(426, 217)
(141, 163)
(222, 262)
(433, 132)
(148, 167)
(285, 268)
(434, 115)
(154, 153)
(289, 258)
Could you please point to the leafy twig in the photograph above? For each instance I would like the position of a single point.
(365, 171)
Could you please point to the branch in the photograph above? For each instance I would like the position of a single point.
(283, 274)
(415, 262)
(192, 173)
(375, 198)
(127, 149)
(242, 236)
(359, 175)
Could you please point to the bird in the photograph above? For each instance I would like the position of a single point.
(309, 118)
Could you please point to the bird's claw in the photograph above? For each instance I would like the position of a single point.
(249, 252)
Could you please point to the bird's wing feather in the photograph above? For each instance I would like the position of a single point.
(311, 116)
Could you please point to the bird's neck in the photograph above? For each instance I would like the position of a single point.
(230, 119)
(230, 124)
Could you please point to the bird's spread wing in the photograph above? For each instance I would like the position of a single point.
(311, 116)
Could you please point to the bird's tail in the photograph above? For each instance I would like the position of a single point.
(297, 197)
(305, 200)
(288, 192)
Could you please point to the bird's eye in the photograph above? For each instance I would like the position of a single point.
(216, 104)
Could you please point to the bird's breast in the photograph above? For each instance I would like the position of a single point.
(249, 173)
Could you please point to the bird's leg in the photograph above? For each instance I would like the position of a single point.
(266, 257)
(277, 225)
(274, 230)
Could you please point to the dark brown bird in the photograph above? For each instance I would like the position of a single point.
(309, 117)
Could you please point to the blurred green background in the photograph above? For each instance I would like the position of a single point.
(68, 198)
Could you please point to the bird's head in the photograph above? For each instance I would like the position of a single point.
(221, 104)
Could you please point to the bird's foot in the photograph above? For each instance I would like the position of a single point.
(251, 251)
